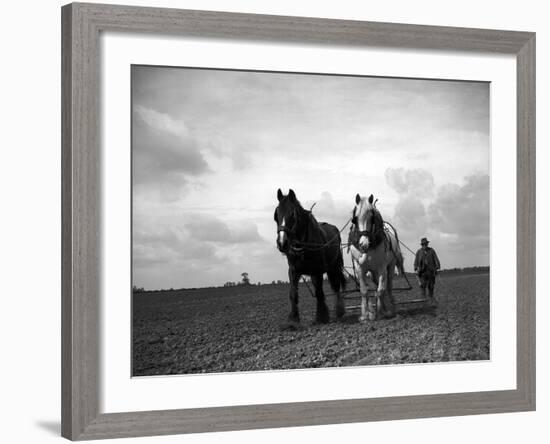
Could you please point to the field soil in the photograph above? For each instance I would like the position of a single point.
(242, 328)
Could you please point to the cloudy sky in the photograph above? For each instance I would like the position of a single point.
(211, 148)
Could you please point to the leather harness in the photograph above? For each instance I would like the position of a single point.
(376, 234)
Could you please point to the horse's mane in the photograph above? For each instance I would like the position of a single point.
(300, 210)
(306, 217)
(367, 206)
(298, 205)
(376, 211)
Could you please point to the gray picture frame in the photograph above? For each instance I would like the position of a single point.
(81, 168)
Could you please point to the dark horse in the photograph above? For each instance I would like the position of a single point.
(312, 249)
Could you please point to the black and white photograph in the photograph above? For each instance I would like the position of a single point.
(243, 222)
(285, 221)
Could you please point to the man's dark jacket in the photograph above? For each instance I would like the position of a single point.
(426, 261)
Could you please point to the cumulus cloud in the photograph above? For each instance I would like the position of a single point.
(165, 244)
(212, 229)
(410, 215)
(328, 209)
(456, 219)
(165, 156)
(161, 121)
(462, 210)
(410, 181)
(413, 186)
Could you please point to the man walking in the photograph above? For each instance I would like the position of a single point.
(426, 265)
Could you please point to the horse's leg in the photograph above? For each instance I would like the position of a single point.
(294, 278)
(322, 316)
(373, 302)
(335, 283)
(388, 300)
(364, 289)
(340, 305)
(381, 295)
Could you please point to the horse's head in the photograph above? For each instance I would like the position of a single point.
(287, 218)
(367, 219)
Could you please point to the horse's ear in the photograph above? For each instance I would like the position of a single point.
(371, 198)
(291, 195)
(357, 199)
(279, 194)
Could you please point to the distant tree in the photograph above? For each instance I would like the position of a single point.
(246, 279)
(137, 289)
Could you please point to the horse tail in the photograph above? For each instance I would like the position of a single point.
(400, 260)
(399, 255)
(397, 251)
(336, 277)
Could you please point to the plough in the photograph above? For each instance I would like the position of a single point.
(354, 294)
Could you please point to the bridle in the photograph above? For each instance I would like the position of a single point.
(285, 228)
(297, 246)
(371, 232)
(291, 230)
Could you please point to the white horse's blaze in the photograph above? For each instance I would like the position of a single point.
(282, 233)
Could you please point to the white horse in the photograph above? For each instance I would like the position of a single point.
(375, 251)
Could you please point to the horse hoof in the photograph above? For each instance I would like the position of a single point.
(363, 319)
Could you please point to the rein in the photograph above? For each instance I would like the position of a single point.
(370, 234)
(301, 246)
(316, 246)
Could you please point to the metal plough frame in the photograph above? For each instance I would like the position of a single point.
(353, 294)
